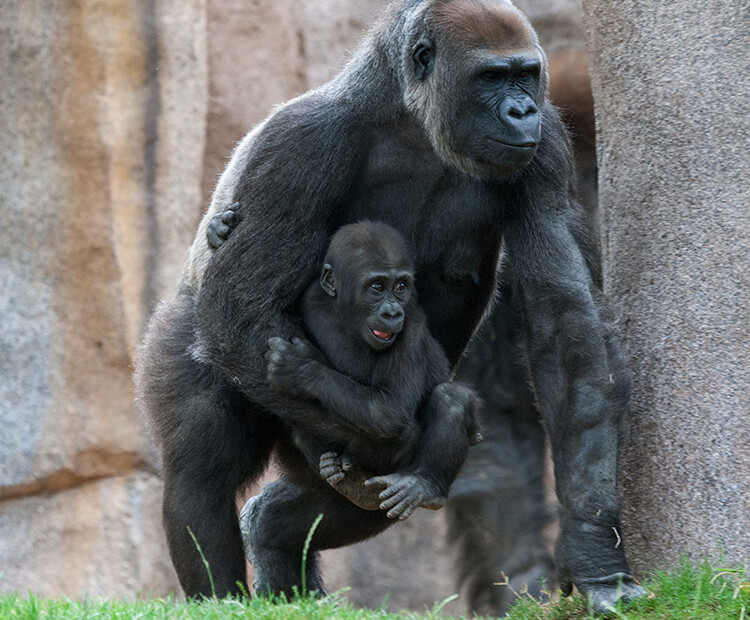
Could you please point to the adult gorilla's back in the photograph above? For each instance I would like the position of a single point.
(439, 126)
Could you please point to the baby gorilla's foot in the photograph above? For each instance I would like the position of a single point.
(349, 481)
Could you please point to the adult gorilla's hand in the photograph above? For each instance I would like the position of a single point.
(221, 226)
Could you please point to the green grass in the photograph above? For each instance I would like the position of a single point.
(690, 593)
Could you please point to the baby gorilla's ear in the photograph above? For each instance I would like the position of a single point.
(327, 280)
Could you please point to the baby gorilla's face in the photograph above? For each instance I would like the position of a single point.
(385, 292)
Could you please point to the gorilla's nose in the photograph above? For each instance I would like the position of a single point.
(521, 117)
(392, 315)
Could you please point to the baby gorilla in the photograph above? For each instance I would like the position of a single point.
(407, 426)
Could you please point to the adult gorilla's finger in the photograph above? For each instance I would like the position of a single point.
(335, 478)
(213, 240)
(230, 218)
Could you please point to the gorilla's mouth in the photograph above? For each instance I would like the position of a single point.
(383, 336)
(522, 145)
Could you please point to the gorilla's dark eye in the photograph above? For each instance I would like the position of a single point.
(400, 287)
(491, 75)
(377, 286)
(524, 74)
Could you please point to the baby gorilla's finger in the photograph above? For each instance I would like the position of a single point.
(399, 509)
(329, 468)
(389, 491)
(329, 464)
(346, 463)
(277, 343)
(329, 455)
(407, 513)
(382, 481)
(392, 501)
(335, 478)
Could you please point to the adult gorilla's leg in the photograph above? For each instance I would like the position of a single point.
(219, 452)
(276, 523)
(211, 442)
(496, 510)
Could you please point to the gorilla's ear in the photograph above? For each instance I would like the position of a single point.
(327, 280)
(423, 59)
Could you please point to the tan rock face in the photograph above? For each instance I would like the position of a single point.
(103, 116)
(101, 537)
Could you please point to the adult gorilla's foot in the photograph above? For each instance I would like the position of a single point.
(604, 593)
(245, 520)
(275, 570)
(590, 556)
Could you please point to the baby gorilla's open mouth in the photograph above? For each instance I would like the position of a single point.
(383, 336)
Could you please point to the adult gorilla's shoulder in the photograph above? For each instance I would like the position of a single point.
(278, 151)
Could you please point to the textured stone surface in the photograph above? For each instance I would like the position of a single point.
(255, 59)
(101, 537)
(102, 112)
(671, 90)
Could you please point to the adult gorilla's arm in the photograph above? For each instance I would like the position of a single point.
(578, 375)
(299, 168)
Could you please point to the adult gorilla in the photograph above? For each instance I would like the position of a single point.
(440, 127)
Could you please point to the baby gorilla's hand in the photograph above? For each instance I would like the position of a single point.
(290, 365)
(404, 493)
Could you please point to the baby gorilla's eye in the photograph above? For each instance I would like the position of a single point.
(377, 286)
(400, 287)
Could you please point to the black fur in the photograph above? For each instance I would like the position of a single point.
(381, 135)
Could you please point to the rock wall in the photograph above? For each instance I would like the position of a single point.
(102, 112)
(670, 82)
